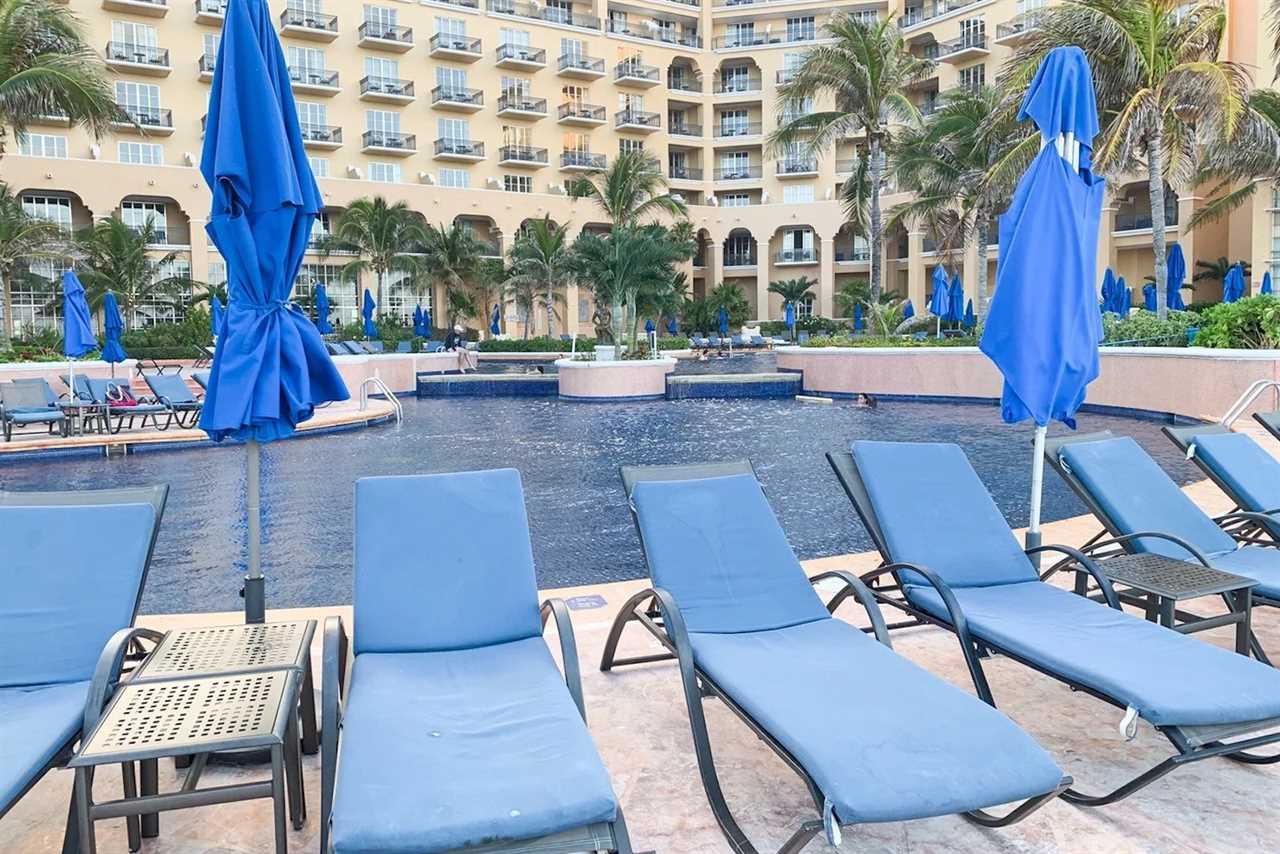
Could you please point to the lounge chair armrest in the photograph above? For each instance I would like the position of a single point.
(334, 662)
(332, 685)
(1157, 535)
(106, 675)
(1269, 519)
(1085, 564)
(568, 649)
(859, 591)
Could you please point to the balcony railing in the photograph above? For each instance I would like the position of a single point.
(581, 62)
(753, 39)
(684, 173)
(582, 160)
(737, 173)
(1141, 220)
(586, 112)
(537, 12)
(309, 20)
(147, 117)
(386, 86)
(461, 147)
(208, 63)
(322, 133)
(796, 256)
(522, 154)
(211, 8)
(855, 254)
(138, 54)
(797, 166)
(636, 118)
(522, 104)
(386, 32)
(464, 4)
(1022, 24)
(685, 129)
(313, 77)
(629, 70)
(683, 83)
(458, 44)
(785, 76)
(738, 129)
(739, 259)
(974, 41)
(474, 97)
(522, 53)
(654, 33)
(918, 14)
(387, 139)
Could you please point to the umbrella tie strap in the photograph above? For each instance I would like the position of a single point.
(830, 824)
(1129, 724)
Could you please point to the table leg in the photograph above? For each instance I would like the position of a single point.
(277, 799)
(84, 804)
(150, 778)
(293, 774)
(1164, 607)
(132, 826)
(1243, 604)
(310, 732)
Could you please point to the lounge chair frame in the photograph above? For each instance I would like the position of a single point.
(1192, 744)
(55, 418)
(656, 611)
(185, 414)
(603, 836)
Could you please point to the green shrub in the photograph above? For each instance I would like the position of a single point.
(1252, 323)
(1143, 329)
(180, 340)
(541, 344)
(812, 325)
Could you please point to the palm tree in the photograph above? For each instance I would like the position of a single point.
(118, 258)
(454, 256)
(47, 68)
(540, 261)
(1216, 271)
(963, 165)
(659, 298)
(698, 315)
(793, 291)
(388, 238)
(22, 238)
(865, 70)
(1162, 86)
(729, 296)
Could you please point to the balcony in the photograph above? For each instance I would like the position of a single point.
(1140, 220)
(684, 83)
(1018, 30)
(208, 62)
(631, 73)
(796, 256)
(522, 155)
(521, 57)
(458, 100)
(211, 12)
(519, 106)
(737, 41)
(737, 173)
(797, 168)
(388, 90)
(461, 4)
(536, 12)
(581, 66)
(459, 149)
(322, 137)
(390, 37)
(581, 115)
(386, 142)
(915, 15)
(745, 258)
(684, 173)
(846, 167)
(150, 121)
(460, 48)
(315, 81)
(655, 33)
(51, 118)
(303, 24)
(964, 49)
(739, 86)
(138, 59)
(150, 8)
(582, 161)
(637, 120)
(858, 253)
(785, 76)
(737, 131)
(685, 129)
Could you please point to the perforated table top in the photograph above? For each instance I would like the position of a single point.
(186, 716)
(1170, 577)
(239, 648)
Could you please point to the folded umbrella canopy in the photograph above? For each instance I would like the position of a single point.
(1108, 291)
(1233, 285)
(322, 311)
(366, 311)
(1043, 332)
(956, 295)
(1176, 271)
(908, 310)
(113, 326)
(1266, 283)
(1126, 298)
(650, 327)
(417, 320)
(788, 317)
(673, 328)
(857, 317)
(216, 315)
(970, 319)
(77, 331)
(426, 323)
(270, 370)
(940, 299)
(724, 321)
(1149, 296)
(495, 325)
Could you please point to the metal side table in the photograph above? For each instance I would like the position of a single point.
(194, 717)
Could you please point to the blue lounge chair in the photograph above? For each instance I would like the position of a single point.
(430, 346)
(373, 347)
(172, 391)
(404, 346)
(201, 378)
(1248, 474)
(757, 341)
(698, 342)
(336, 349)
(23, 404)
(738, 340)
(858, 723)
(353, 348)
(971, 576)
(458, 732)
(65, 623)
(103, 391)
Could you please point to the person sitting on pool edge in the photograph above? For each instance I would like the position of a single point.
(456, 342)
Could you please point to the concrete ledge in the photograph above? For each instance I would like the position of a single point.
(733, 385)
(626, 379)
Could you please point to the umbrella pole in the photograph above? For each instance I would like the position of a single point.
(1037, 489)
(255, 605)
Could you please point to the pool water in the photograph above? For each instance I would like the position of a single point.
(568, 454)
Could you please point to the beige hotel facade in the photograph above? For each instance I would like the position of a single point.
(480, 111)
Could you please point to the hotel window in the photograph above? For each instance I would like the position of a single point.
(737, 250)
(734, 200)
(452, 81)
(35, 297)
(384, 173)
(627, 145)
(584, 309)
(399, 296)
(735, 78)
(973, 77)
(140, 100)
(740, 34)
(341, 291)
(456, 178)
(571, 47)
(733, 123)
(628, 102)
(579, 142)
(55, 209)
(797, 245)
(973, 31)
(43, 145)
(384, 125)
(382, 73)
(380, 19)
(137, 215)
(559, 11)
(795, 194)
(308, 60)
(519, 38)
(735, 165)
(617, 21)
(313, 119)
(575, 95)
(319, 166)
(1275, 232)
(454, 29)
(455, 130)
(218, 273)
(517, 183)
(128, 35)
(516, 88)
(804, 310)
(140, 153)
(211, 41)
(801, 29)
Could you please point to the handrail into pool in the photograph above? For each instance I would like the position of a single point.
(1248, 397)
(386, 391)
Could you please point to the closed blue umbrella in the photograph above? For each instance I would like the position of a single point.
(323, 326)
(1108, 290)
(789, 317)
(1233, 285)
(366, 310)
(956, 312)
(1266, 283)
(1126, 300)
(940, 299)
(494, 326)
(417, 320)
(216, 315)
(970, 319)
(426, 323)
(1121, 288)
(857, 317)
(724, 322)
(673, 328)
(270, 370)
(649, 327)
(113, 326)
(77, 330)
(1149, 296)
(1045, 340)
(908, 310)
(1176, 271)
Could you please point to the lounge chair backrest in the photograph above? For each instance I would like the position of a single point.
(443, 562)
(82, 385)
(404, 346)
(1252, 474)
(714, 543)
(1269, 420)
(1134, 494)
(19, 395)
(50, 396)
(373, 347)
(335, 349)
(100, 387)
(172, 387)
(932, 509)
(354, 348)
(201, 378)
(71, 576)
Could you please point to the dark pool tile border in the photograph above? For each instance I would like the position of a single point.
(1091, 408)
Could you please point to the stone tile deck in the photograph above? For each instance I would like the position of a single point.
(638, 719)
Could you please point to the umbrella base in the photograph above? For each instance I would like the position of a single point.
(255, 599)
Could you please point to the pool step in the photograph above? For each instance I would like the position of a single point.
(686, 386)
(488, 385)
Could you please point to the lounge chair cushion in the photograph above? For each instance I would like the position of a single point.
(716, 546)
(1170, 678)
(1261, 563)
(884, 739)
(70, 576)
(475, 583)
(33, 416)
(919, 489)
(173, 388)
(1252, 473)
(444, 750)
(1136, 495)
(35, 723)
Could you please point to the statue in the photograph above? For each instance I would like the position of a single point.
(602, 319)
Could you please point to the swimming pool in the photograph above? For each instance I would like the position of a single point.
(568, 454)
